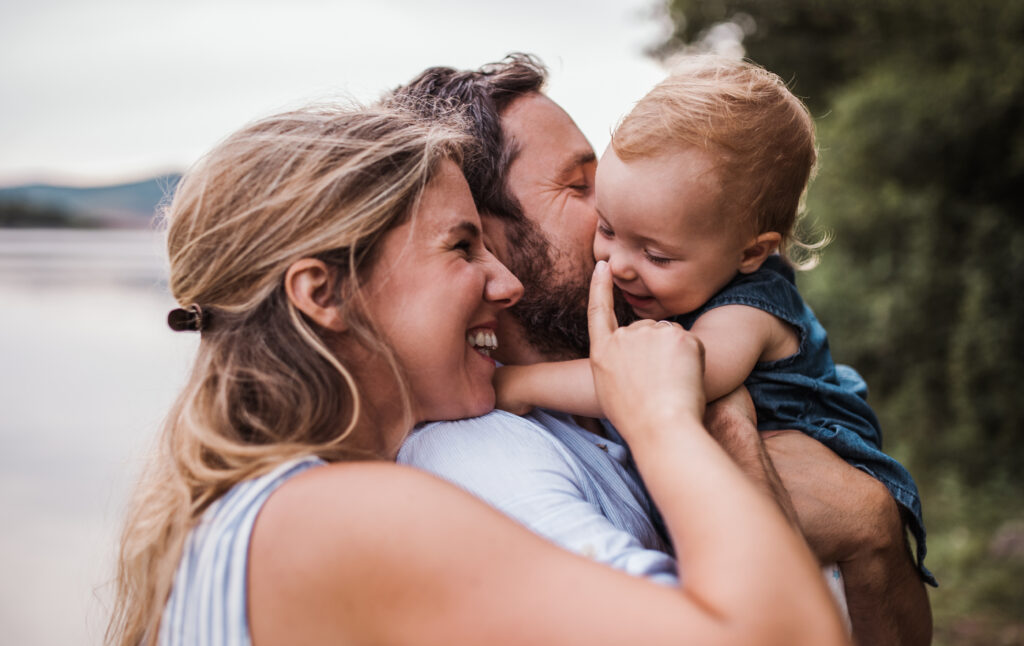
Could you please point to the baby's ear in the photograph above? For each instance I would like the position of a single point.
(757, 250)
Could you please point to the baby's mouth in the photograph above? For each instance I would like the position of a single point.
(483, 340)
(635, 300)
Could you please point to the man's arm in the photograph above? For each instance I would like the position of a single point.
(849, 517)
(731, 420)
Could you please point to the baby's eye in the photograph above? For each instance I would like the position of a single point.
(605, 230)
(656, 259)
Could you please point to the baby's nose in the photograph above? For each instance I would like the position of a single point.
(621, 267)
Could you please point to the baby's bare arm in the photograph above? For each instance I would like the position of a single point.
(566, 386)
(735, 338)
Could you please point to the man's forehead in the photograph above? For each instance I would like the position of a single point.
(540, 127)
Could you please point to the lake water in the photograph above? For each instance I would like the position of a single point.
(88, 368)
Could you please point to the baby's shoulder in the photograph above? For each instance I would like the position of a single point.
(770, 289)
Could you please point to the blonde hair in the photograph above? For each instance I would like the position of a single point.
(760, 135)
(324, 182)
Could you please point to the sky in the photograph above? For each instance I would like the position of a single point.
(104, 91)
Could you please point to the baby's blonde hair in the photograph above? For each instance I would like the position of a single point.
(760, 136)
(267, 384)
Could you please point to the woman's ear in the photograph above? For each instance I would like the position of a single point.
(311, 287)
(757, 250)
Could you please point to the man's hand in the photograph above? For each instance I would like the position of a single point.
(732, 421)
(850, 518)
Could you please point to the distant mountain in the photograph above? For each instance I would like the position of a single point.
(122, 205)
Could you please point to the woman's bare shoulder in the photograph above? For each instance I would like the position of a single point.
(338, 496)
(325, 540)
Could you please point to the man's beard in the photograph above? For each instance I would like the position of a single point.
(553, 308)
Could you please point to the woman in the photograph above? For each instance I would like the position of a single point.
(334, 265)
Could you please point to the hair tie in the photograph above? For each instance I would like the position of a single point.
(190, 319)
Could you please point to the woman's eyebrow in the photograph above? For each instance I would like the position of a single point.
(466, 227)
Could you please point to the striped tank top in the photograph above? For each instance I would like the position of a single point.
(209, 598)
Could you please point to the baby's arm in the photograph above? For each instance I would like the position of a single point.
(735, 338)
(566, 386)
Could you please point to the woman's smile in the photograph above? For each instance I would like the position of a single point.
(435, 295)
(483, 339)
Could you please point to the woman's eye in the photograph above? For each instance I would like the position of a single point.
(463, 247)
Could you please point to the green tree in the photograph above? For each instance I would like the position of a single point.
(920, 112)
(920, 106)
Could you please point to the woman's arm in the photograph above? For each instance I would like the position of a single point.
(377, 553)
(374, 553)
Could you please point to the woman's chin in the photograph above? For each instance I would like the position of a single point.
(481, 405)
(468, 407)
(485, 406)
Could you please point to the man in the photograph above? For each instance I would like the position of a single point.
(572, 480)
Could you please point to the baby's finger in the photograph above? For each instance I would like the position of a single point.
(601, 310)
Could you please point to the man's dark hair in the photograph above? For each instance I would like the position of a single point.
(553, 315)
(481, 95)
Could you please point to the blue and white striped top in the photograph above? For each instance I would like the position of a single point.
(209, 598)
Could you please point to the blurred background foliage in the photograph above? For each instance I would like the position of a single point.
(919, 106)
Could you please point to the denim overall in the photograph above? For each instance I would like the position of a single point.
(808, 392)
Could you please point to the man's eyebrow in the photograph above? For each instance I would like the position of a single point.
(581, 158)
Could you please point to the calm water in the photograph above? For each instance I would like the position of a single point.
(88, 368)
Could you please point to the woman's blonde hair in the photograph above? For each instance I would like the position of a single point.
(760, 135)
(327, 183)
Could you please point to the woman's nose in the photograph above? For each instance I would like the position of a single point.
(502, 286)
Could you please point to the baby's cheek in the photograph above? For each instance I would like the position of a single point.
(600, 247)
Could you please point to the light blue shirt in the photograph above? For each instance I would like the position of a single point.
(565, 483)
(573, 487)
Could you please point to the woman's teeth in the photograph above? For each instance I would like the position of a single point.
(483, 341)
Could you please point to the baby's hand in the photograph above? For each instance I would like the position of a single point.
(508, 392)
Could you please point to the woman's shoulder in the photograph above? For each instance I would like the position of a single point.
(335, 543)
(341, 486)
(322, 510)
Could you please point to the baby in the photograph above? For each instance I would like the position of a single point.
(697, 199)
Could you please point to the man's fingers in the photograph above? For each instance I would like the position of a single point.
(601, 311)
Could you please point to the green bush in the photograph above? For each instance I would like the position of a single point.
(920, 112)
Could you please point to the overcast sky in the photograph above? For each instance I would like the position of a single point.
(101, 91)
